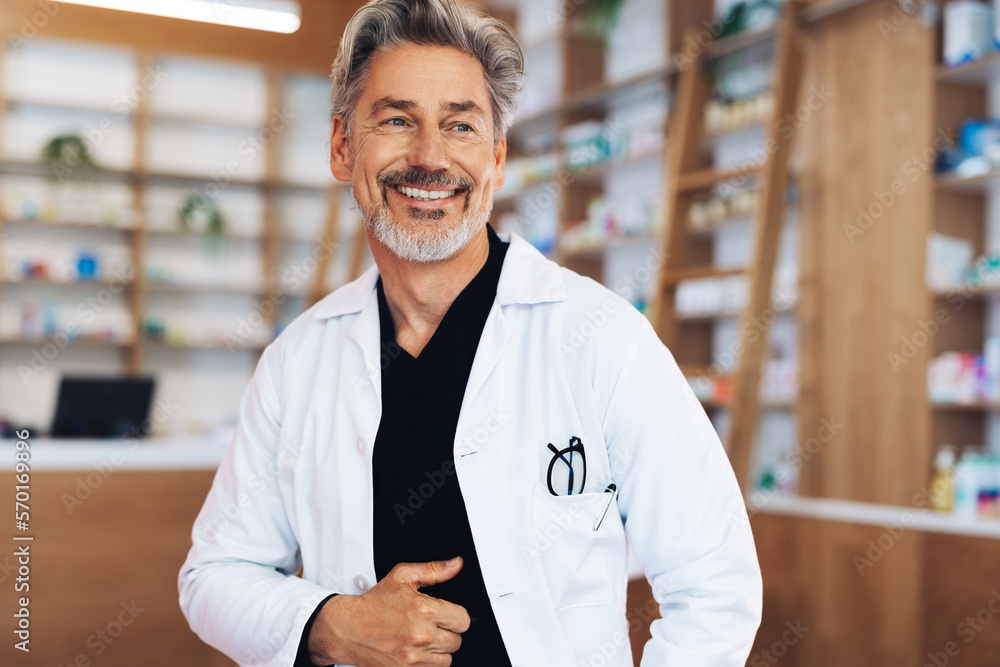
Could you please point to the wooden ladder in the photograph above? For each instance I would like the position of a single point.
(686, 258)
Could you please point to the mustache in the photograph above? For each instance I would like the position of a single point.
(424, 178)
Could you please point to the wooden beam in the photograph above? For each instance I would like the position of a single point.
(271, 234)
(139, 235)
(706, 178)
(684, 154)
(745, 409)
(358, 252)
(327, 243)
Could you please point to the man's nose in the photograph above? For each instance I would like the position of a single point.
(428, 151)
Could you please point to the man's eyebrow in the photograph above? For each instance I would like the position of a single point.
(384, 103)
(462, 107)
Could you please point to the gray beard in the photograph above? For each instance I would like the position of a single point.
(413, 246)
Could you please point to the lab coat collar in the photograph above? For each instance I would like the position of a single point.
(527, 277)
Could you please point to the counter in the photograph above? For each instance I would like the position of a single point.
(869, 514)
(177, 453)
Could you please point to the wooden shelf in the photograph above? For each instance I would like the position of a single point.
(220, 346)
(587, 252)
(82, 341)
(741, 42)
(979, 72)
(693, 273)
(66, 283)
(298, 240)
(742, 132)
(706, 178)
(40, 169)
(189, 233)
(977, 184)
(693, 371)
(967, 292)
(66, 106)
(961, 407)
(746, 218)
(301, 186)
(39, 222)
(187, 178)
(217, 121)
(154, 286)
(708, 317)
(764, 405)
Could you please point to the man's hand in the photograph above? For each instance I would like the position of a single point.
(393, 624)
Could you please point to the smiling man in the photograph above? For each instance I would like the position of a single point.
(450, 466)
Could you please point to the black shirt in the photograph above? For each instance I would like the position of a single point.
(419, 512)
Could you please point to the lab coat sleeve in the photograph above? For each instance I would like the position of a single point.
(683, 512)
(238, 588)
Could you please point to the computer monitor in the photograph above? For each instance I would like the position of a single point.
(102, 407)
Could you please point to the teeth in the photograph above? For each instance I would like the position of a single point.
(425, 195)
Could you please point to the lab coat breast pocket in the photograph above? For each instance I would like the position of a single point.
(582, 566)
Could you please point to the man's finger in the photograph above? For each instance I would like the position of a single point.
(447, 642)
(428, 574)
(452, 617)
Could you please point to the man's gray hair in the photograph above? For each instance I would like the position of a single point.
(383, 24)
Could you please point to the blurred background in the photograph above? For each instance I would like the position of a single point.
(800, 196)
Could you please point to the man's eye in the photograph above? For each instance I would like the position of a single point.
(463, 127)
(398, 122)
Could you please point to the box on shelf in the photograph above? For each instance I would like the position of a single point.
(723, 115)
(948, 260)
(588, 144)
(712, 296)
(33, 320)
(968, 31)
(521, 172)
(609, 221)
(720, 207)
(965, 377)
(64, 262)
(66, 201)
(779, 383)
(977, 486)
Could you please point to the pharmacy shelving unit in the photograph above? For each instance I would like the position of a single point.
(582, 89)
(962, 208)
(278, 238)
(686, 253)
(590, 90)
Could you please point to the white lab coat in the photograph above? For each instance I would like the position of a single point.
(560, 356)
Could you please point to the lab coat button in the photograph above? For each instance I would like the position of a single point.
(361, 583)
(361, 446)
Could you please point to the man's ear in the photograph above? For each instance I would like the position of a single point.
(340, 150)
(500, 161)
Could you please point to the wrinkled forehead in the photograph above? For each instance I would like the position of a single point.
(422, 79)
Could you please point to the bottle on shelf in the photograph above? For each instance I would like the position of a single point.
(942, 488)
(966, 488)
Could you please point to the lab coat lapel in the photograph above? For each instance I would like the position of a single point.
(366, 333)
(496, 333)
